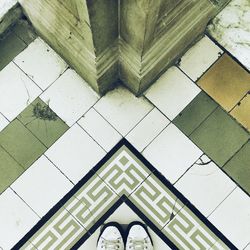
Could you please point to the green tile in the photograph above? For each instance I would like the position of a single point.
(10, 47)
(25, 31)
(195, 113)
(239, 167)
(43, 122)
(21, 144)
(9, 170)
(219, 136)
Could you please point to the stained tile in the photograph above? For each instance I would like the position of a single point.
(70, 97)
(42, 122)
(3, 122)
(241, 112)
(205, 185)
(172, 92)
(24, 31)
(9, 170)
(220, 137)
(152, 124)
(99, 129)
(122, 109)
(195, 113)
(232, 218)
(17, 91)
(200, 57)
(75, 153)
(16, 219)
(42, 186)
(41, 63)
(21, 144)
(11, 46)
(226, 82)
(238, 167)
(172, 153)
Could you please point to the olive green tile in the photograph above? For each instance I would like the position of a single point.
(43, 122)
(219, 136)
(195, 113)
(10, 47)
(9, 170)
(239, 167)
(25, 31)
(21, 144)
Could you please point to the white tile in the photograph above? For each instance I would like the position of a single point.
(247, 247)
(42, 185)
(172, 92)
(122, 109)
(232, 218)
(75, 153)
(17, 91)
(70, 96)
(172, 153)
(16, 219)
(199, 58)
(3, 122)
(147, 129)
(205, 185)
(41, 63)
(99, 129)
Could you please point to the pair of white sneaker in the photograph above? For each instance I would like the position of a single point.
(113, 237)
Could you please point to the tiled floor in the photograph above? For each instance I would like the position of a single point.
(54, 129)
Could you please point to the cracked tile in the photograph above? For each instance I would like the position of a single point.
(151, 125)
(172, 92)
(15, 217)
(232, 218)
(42, 64)
(172, 153)
(17, 91)
(21, 144)
(70, 97)
(200, 57)
(99, 129)
(210, 186)
(42, 186)
(75, 153)
(226, 82)
(219, 136)
(43, 122)
(122, 109)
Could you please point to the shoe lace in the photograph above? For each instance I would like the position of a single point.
(110, 244)
(138, 244)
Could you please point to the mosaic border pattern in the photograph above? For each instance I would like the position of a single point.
(124, 175)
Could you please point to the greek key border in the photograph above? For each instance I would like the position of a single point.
(131, 202)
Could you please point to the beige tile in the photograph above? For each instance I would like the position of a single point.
(241, 112)
(226, 82)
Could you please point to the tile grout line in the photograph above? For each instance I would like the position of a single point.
(25, 203)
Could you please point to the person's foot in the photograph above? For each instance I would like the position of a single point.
(138, 237)
(111, 237)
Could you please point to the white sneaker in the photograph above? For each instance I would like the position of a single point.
(138, 237)
(111, 237)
